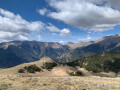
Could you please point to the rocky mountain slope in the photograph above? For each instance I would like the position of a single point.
(104, 62)
(18, 52)
(79, 44)
(107, 43)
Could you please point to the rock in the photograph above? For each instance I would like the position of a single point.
(6, 76)
(103, 84)
(98, 85)
(65, 79)
(94, 83)
(67, 83)
(110, 86)
(18, 75)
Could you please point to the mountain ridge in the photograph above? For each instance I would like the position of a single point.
(18, 52)
(28, 51)
(107, 43)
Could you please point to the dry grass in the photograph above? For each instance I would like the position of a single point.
(56, 71)
(56, 79)
(58, 83)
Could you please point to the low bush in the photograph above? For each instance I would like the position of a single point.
(30, 69)
(21, 71)
(48, 66)
(78, 73)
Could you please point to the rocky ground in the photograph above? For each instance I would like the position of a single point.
(18, 82)
(56, 79)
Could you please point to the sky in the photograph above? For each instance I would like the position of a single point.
(58, 20)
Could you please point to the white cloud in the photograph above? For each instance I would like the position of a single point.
(39, 38)
(93, 15)
(54, 34)
(114, 4)
(63, 32)
(52, 28)
(61, 42)
(87, 38)
(14, 27)
(22, 37)
(43, 11)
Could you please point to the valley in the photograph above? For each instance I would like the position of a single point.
(32, 65)
(59, 44)
(19, 52)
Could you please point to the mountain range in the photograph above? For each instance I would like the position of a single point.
(17, 52)
(106, 43)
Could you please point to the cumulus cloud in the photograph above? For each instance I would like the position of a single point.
(93, 15)
(14, 27)
(63, 32)
(43, 11)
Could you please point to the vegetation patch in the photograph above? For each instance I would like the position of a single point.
(30, 69)
(21, 71)
(104, 62)
(78, 73)
(5, 86)
(49, 66)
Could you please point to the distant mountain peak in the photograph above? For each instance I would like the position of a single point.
(17, 52)
(46, 59)
(6, 45)
(78, 45)
(69, 43)
(115, 35)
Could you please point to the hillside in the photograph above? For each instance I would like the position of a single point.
(79, 44)
(104, 62)
(58, 70)
(18, 52)
(57, 78)
(107, 43)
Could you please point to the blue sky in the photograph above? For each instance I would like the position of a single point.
(58, 20)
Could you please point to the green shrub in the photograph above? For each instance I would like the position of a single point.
(104, 62)
(30, 69)
(93, 69)
(21, 71)
(71, 74)
(78, 73)
(48, 66)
